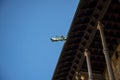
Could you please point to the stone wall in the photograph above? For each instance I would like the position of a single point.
(115, 65)
(95, 76)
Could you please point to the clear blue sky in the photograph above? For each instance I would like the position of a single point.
(26, 26)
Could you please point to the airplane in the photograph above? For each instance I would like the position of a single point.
(62, 38)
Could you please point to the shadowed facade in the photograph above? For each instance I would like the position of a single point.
(84, 34)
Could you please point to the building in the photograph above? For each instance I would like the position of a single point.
(92, 48)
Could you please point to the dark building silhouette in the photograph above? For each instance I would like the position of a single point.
(88, 53)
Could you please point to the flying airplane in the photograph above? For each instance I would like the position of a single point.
(62, 38)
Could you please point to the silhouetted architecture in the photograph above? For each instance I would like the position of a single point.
(92, 48)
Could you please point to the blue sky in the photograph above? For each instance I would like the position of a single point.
(26, 26)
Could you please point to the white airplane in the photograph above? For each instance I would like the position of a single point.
(62, 38)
